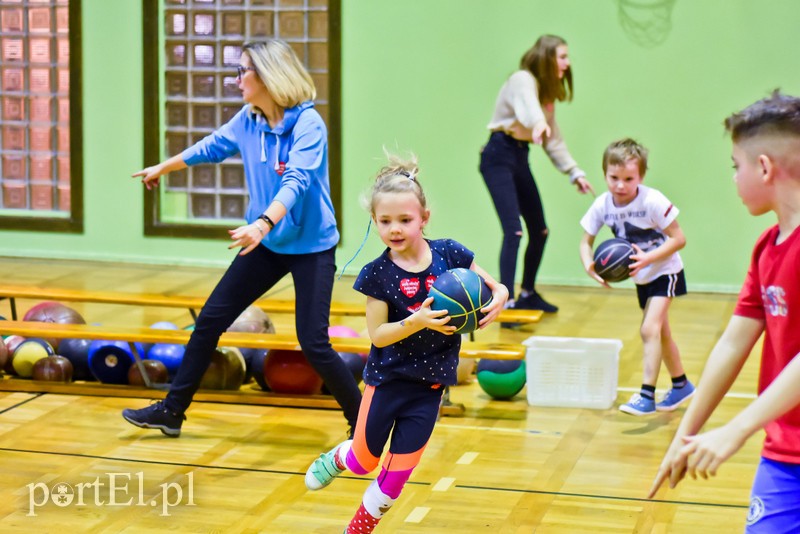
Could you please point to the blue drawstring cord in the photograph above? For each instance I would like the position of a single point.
(364, 242)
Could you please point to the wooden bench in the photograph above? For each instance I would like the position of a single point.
(12, 292)
(469, 349)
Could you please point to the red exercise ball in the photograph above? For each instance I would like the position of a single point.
(288, 371)
(53, 369)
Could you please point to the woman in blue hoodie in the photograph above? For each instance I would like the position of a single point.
(290, 228)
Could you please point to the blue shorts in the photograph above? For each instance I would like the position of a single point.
(666, 285)
(774, 499)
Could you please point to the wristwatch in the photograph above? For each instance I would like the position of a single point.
(264, 217)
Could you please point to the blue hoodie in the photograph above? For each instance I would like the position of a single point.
(288, 163)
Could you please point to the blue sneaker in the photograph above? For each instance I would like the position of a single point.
(639, 405)
(675, 397)
(324, 469)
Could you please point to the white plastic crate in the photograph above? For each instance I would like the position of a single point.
(572, 372)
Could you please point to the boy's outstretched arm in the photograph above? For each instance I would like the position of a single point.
(706, 452)
(723, 366)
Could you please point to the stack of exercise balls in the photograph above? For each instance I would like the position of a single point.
(37, 358)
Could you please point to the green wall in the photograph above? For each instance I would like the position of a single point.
(422, 75)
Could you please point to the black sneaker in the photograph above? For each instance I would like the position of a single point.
(534, 301)
(156, 416)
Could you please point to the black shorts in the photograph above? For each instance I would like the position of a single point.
(667, 285)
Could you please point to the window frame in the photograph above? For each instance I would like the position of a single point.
(153, 108)
(73, 223)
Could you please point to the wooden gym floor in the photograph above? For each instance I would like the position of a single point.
(505, 467)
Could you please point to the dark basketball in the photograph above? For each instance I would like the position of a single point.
(462, 292)
(612, 259)
(77, 352)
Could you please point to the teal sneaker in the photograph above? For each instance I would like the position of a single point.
(324, 469)
(639, 405)
(675, 397)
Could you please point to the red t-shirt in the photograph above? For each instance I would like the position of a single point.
(771, 293)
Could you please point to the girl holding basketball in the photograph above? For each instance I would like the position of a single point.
(648, 220)
(414, 354)
(525, 113)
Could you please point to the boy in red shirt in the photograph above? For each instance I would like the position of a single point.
(766, 156)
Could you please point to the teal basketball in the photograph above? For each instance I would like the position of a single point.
(462, 292)
(501, 379)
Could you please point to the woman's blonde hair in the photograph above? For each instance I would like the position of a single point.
(285, 77)
(541, 61)
(398, 176)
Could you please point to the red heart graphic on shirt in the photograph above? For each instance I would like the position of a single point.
(429, 282)
(409, 286)
(415, 308)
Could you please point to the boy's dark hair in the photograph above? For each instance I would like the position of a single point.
(623, 150)
(777, 114)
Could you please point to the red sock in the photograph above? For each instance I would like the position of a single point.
(363, 522)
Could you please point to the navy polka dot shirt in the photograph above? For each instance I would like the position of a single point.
(426, 356)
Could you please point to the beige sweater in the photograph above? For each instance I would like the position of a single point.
(518, 101)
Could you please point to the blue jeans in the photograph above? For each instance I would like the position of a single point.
(249, 277)
(505, 169)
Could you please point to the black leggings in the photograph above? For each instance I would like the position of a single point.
(505, 169)
(249, 277)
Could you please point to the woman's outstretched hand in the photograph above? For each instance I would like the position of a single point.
(150, 176)
(584, 186)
